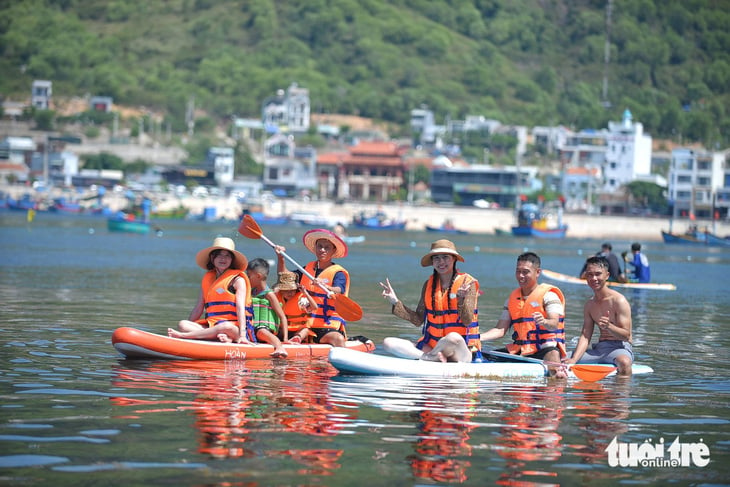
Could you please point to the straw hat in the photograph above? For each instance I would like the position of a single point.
(222, 243)
(287, 282)
(310, 240)
(440, 247)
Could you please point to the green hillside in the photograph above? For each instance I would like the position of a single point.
(531, 62)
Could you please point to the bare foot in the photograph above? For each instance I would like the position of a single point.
(560, 373)
(172, 333)
(441, 357)
(224, 338)
(280, 352)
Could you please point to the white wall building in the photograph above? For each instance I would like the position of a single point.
(695, 177)
(41, 92)
(221, 161)
(628, 153)
(289, 110)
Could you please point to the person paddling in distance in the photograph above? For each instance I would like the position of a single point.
(298, 306)
(611, 312)
(268, 316)
(224, 300)
(327, 325)
(447, 308)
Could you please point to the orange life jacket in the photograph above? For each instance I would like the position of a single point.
(528, 337)
(325, 315)
(442, 315)
(296, 317)
(220, 302)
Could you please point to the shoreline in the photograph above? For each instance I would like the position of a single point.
(417, 217)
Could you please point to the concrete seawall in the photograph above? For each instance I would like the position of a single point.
(475, 220)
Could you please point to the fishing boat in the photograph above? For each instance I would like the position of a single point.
(63, 205)
(696, 237)
(557, 276)
(138, 344)
(533, 221)
(378, 221)
(26, 202)
(121, 224)
(359, 363)
(446, 227)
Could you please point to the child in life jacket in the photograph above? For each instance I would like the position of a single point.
(297, 304)
(268, 315)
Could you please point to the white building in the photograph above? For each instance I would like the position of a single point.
(41, 92)
(17, 149)
(221, 161)
(695, 178)
(628, 153)
(288, 111)
(424, 124)
(287, 167)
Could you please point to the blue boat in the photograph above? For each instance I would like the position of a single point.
(379, 221)
(443, 229)
(697, 238)
(532, 221)
(118, 224)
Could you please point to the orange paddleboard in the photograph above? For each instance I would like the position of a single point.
(134, 343)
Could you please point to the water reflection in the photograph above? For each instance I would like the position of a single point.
(443, 441)
(602, 414)
(232, 410)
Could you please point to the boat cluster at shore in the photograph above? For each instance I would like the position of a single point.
(413, 217)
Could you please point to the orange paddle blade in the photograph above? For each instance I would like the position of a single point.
(347, 308)
(249, 228)
(591, 373)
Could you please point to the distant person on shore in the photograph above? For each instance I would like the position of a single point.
(268, 316)
(641, 271)
(327, 325)
(611, 312)
(223, 310)
(614, 267)
(298, 306)
(447, 308)
(535, 311)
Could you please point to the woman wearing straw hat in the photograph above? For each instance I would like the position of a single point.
(327, 325)
(448, 304)
(225, 297)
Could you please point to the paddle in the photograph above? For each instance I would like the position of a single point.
(588, 373)
(345, 307)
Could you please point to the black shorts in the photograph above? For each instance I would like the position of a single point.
(321, 332)
(540, 354)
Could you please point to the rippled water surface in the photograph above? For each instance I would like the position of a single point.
(73, 412)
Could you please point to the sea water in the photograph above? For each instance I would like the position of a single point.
(74, 412)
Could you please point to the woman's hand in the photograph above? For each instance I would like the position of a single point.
(389, 292)
(463, 289)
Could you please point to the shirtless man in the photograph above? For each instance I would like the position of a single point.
(611, 312)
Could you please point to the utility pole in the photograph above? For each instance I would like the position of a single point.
(607, 55)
